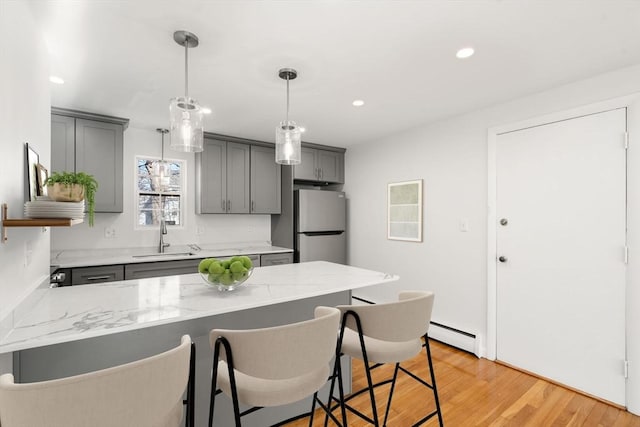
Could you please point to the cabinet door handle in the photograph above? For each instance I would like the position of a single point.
(224, 207)
(253, 205)
(228, 205)
(98, 278)
(320, 172)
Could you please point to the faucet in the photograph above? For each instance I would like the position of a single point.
(163, 231)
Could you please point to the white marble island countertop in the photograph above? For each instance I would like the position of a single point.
(95, 257)
(77, 312)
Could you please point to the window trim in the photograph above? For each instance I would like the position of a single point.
(182, 193)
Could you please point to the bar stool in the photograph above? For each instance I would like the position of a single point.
(145, 393)
(274, 366)
(387, 333)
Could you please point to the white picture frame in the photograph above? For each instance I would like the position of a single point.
(404, 211)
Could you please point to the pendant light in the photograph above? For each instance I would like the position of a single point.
(186, 115)
(288, 133)
(161, 175)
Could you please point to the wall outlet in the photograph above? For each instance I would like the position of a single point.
(200, 230)
(109, 232)
(463, 225)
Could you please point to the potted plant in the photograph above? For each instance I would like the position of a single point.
(73, 187)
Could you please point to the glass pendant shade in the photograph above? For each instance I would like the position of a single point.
(161, 178)
(187, 128)
(161, 169)
(288, 138)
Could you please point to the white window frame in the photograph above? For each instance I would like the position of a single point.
(181, 193)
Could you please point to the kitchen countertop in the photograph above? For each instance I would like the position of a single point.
(77, 312)
(94, 257)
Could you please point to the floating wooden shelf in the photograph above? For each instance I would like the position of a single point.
(33, 222)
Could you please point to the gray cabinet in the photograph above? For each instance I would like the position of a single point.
(222, 177)
(266, 181)
(320, 165)
(161, 268)
(81, 144)
(99, 274)
(276, 259)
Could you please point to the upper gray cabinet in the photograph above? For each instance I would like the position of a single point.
(83, 142)
(232, 177)
(222, 177)
(320, 165)
(266, 181)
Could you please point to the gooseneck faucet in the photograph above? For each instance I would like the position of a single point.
(163, 231)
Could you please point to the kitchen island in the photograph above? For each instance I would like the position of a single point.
(77, 329)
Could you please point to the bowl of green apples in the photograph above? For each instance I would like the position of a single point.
(225, 274)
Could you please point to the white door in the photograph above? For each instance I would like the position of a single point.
(560, 242)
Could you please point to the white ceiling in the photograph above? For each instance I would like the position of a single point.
(119, 58)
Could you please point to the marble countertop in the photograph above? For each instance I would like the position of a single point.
(94, 257)
(77, 312)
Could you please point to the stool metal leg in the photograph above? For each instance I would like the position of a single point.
(433, 379)
(393, 385)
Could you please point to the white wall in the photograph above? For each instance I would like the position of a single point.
(199, 229)
(451, 158)
(24, 117)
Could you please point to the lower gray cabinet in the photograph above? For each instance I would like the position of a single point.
(103, 273)
(276, 259)
(161, 268)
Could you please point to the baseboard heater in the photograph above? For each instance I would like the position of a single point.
(454, 337)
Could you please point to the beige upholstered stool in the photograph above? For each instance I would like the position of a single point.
(273, 366)
(145, 393)
(388, 333)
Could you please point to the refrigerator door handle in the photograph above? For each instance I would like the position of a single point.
(323, 233)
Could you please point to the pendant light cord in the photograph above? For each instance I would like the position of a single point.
(186, 69)
(162, 147)
(287, 100)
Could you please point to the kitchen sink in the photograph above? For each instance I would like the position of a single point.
(168, 254)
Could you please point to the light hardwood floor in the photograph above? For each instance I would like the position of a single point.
(478, 392)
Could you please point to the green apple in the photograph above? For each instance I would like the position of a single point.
(236, 267)
(246, 261)
(226, 279)
(203, 267)
(216, 268)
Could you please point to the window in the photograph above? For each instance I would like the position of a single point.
(155, 203)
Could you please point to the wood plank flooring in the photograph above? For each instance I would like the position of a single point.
(478, 392)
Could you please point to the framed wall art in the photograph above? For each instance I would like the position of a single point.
(404, 211)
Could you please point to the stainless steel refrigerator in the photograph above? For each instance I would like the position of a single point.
(320, 221)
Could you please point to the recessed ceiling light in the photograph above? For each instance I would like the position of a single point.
(465, 52)
(57, 80)
(358, 103)
(206, 110)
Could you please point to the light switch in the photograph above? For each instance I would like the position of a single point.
(463, 225)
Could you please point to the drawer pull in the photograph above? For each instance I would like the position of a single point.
(98, 278)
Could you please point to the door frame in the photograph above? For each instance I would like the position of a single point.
(632, 103)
